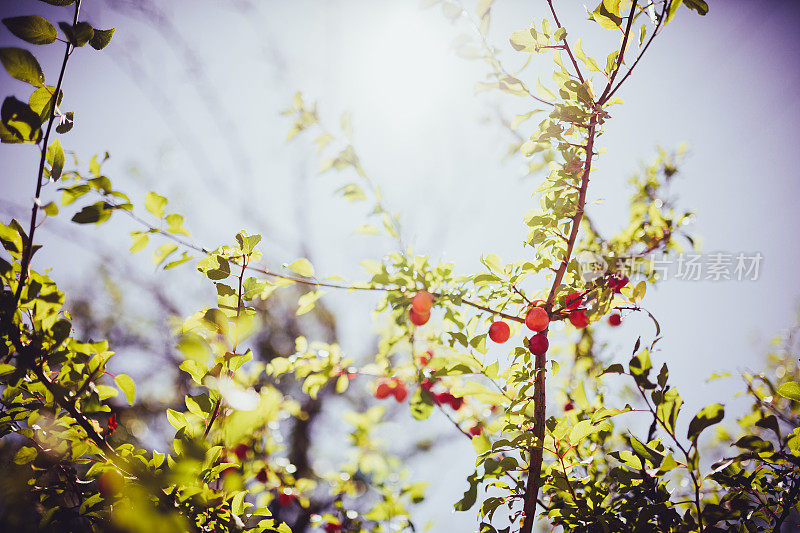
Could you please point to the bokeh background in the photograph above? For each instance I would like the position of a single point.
(187, 101)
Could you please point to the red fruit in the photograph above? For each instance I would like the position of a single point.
(110, 483)
(422, 302)
(579, 319)
(400, 392)
(333, 527)
(425, 358)
(616, 282)
(241, 451)
(262, 475)
(418, 319)
(537, 319)
(476, 430)
(574, 300)
(112, 423)
(443, 397)
(569, 406)
(456, 403)
(383, 390)
(499, 331)
(539, 344)
(615, 319)
(285, 499)
(427, 384)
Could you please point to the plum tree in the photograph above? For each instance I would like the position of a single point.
(227, 467)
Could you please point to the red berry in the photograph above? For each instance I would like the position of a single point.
(425, 358)
(476, 430)
(621, 282)
(443, 397)
(579, 319)
(427, 384)
(241, 451)
(569, 406)
(418, 319)
(499, 331)
(574, 300)
(422, 302)
(539, 344)
(456, 403)
(262, 475)
(285, 498)
(333, 527)
(112, 423)
(383, 390)
(400, 392)
(615, 319)
(537, 319)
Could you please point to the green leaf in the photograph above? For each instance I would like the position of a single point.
(700, 6)
(126, 385)
(41, 101)
(60, 3)
(176, 419)
(92, 214)
(301, 266)
(21, 64)
(606, 18)
(708, 416)
(590, 63)
(790, 390)
(55, 156)
(162, 252)
(155, 204)
(638, 291)
(79, 34)
(25, 455)
(140, 240)
(32, 28)
(101, 38)
(421, 404)
(352, 193)
(66, 122)
(307, 301)
(523, 41)
(175, 224)
(20, 120)
(50, 209)
(560, 34)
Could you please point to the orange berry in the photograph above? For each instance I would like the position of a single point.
(499, 331)
(400, 392)
(579, 319)
(422, 302)
(418, 319)
(383, 390)
(537, 319)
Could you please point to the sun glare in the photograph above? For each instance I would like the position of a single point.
(405, 69)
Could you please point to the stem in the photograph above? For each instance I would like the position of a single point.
(566, 46)
(621, 56)
(646, 46)
(27, 251)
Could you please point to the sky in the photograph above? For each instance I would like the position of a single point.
(187, 101)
